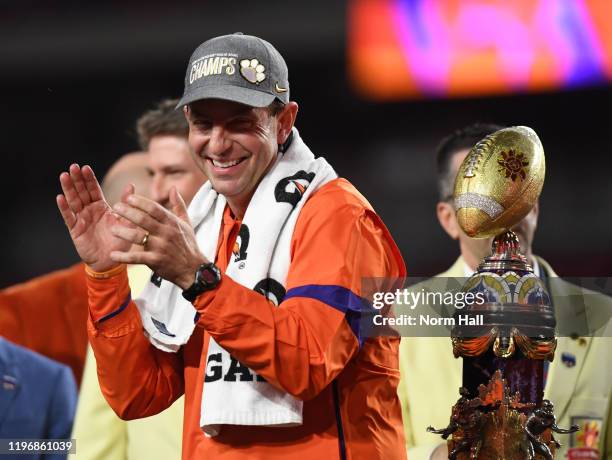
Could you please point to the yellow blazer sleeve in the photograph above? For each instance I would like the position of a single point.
(428, 388)
(99, 433)
(429, 383)
(158, 437)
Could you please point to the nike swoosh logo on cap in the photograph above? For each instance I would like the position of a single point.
(279, 89)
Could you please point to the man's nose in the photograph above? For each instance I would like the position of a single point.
(218, 142)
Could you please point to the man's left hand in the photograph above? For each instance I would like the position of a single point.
(170, 248)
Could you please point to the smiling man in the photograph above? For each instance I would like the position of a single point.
(254, 312)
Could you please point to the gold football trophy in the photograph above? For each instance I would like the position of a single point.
(501, 413)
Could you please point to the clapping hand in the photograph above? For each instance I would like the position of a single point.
(164, 239)
(89, 218)
(137, 231)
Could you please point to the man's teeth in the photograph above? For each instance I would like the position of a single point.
(226, 164)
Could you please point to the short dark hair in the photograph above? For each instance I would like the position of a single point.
(275, 107)
(163, 120)
(464, 138)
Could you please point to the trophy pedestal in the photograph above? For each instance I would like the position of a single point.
(493, 426)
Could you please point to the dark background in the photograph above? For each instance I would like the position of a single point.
(76, 75)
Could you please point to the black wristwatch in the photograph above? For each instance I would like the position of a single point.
(207, 277)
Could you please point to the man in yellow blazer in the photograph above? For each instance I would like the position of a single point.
(100, 434)
(579, 381)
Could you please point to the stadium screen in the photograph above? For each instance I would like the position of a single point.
(401, 49)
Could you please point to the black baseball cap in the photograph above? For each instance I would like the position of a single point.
(237, 67)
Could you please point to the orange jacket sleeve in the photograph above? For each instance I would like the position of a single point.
(54, 302)
(136, 378)
(302, 345)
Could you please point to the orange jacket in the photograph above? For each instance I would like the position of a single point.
(48, 314)
(308, 346)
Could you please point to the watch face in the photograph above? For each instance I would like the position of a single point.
(208, 275)
(207, 278)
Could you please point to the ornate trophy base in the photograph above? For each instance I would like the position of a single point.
(497, 425)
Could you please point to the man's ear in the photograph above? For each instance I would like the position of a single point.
(286, 119)
(447, 219)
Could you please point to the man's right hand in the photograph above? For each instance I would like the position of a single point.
(89, 218)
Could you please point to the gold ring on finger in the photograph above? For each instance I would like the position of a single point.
(145, 238)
